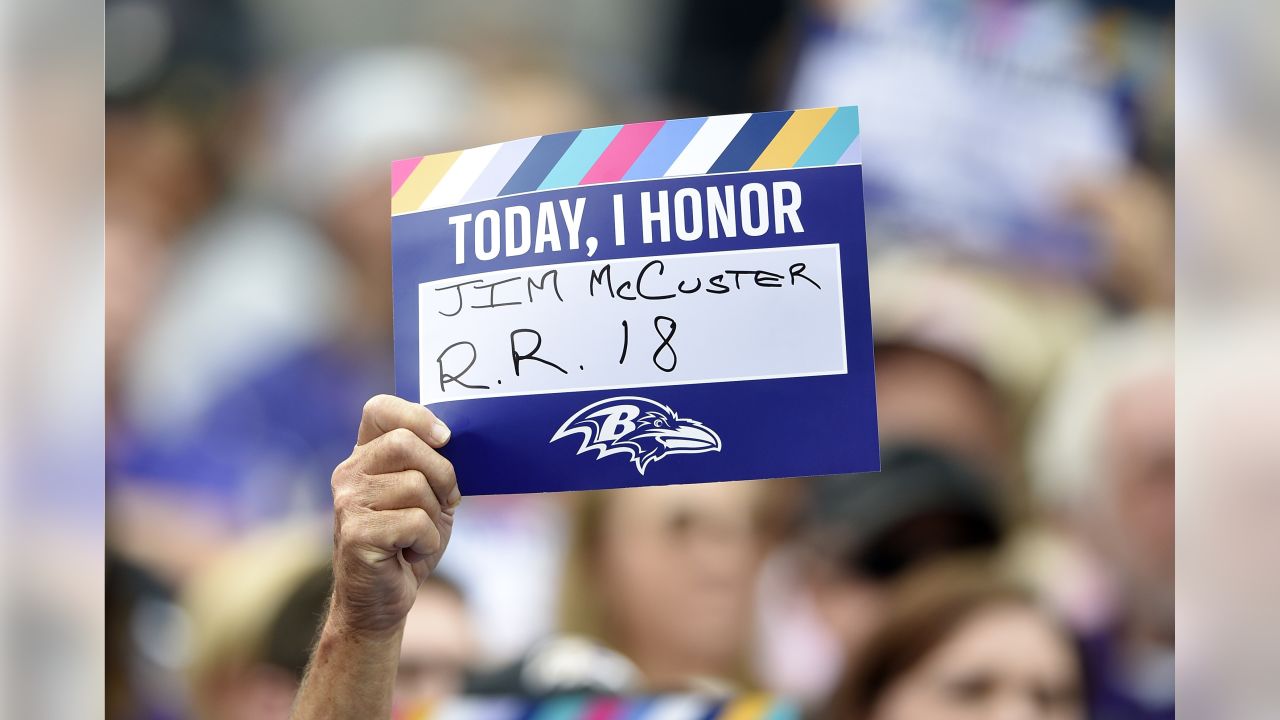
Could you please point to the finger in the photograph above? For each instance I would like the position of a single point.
(384, 413)
(400, 490)
(390, 531)
(400, 450)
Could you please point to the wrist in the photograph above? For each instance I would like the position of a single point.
(352, 671)
(339, 628)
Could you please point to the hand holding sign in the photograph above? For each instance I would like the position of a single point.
(393, 503)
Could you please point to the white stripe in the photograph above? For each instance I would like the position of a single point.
(460, 177)
(686, 707)
(475, 708)
(712, 138)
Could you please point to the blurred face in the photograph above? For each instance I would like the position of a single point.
(922, 396)
(1139, 462)
(359, 223)
(356, 221)
(1003, 663)
(137, 261)
(852, 607)
(439, 646)
(677, 568)
(157, 157)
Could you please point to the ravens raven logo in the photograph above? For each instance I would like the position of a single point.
(644, 430)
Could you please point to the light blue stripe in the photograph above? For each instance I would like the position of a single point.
(853, 156)
(836, 137)
(500, 170)
(581, 155)
(666, 146)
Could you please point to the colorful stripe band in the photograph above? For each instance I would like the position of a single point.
(581, 707)
(637, 151)
(665, 147)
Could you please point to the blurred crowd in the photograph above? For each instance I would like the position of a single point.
(1014, 557)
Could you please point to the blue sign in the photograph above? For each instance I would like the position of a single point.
(581, 324)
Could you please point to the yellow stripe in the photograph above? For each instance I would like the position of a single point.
(747, 707)
(794, 137)
(421, 182)
(421, 710)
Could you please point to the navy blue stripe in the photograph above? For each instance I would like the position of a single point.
(713, 711)
(759, 130)
(538, 164)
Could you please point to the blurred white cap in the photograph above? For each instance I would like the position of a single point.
(1065, 448)
(347, 123)
(1012, 328)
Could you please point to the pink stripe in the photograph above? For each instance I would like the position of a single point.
(621, 154)
(401, 170)
(603, 708)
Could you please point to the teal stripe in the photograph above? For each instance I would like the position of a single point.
(782, 710)
(836, 136)
(581, 155)
(565, 707)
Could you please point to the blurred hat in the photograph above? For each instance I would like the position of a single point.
(1011, 328)
(1065, 448)
(923, 503)
(190, 54)
(350, 119)
(235, 603)
(560, 664)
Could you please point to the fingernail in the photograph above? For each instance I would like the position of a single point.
(440, 433)
(455, 499)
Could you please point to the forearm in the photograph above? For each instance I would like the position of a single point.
(351, 675)
(393, 501)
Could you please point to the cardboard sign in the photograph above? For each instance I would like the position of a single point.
(646, 304)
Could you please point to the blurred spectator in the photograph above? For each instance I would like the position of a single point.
(657, 594)
(507, 546)
(962, 352)
(254, 612)
(175, 83)
(729, 56)
(823, 596)
(278, 365)
(1080, 95)
(145, 631)
(288, 418)
(1103, 461)
(1132, 214)
(960, 642)
(275, 337)
(186, 53)
(439, 644)
(181, 78)
(979, 118)
(868, 529)
(930, 396)
(175, 79)
(176, 71)
(137, 262)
